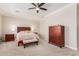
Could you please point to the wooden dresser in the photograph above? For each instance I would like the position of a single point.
(9, 37)
(56, 35)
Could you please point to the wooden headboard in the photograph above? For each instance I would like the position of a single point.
(23, 29)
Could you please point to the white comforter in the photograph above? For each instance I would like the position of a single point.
(24, 35)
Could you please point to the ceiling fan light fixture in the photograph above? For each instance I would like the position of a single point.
(37, 8)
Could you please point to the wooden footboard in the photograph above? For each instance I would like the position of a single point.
(26, 44)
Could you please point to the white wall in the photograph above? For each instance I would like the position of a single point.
(0, 26)
(65, 16)
(78, 25)
(10, 24)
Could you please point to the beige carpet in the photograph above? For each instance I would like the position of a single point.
(43, 49)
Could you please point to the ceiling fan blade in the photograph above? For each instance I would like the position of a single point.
(43, 9)
(37, 11)
(41, 4)
(31, 8)
(34, 4)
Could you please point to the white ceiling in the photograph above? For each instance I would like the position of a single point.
(9, 9)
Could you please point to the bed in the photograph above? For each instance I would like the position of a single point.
(25, 36)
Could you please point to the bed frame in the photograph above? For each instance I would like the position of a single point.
(21, 42)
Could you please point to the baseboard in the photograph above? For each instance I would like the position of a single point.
(71, 47)
(66, 46)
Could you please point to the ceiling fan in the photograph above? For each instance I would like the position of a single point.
(38, 6)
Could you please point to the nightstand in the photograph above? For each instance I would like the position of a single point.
(9, 37)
